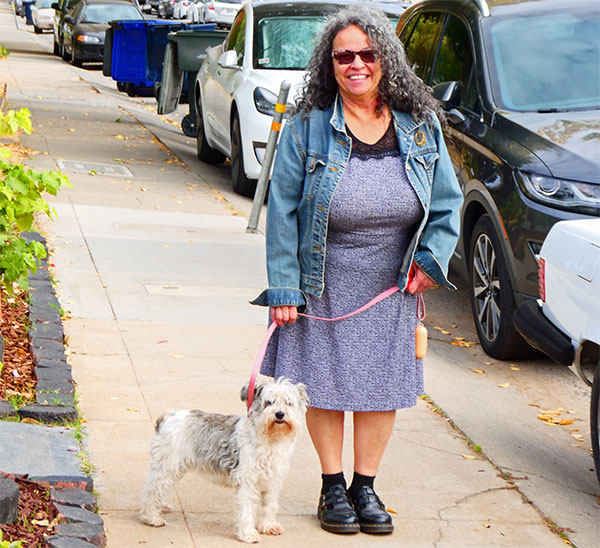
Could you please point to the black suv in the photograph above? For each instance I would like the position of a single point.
(520, 83)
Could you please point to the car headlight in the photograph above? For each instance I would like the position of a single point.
(560, 193)
(88, 39)
(265, 100)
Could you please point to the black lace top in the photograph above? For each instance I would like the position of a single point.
(386, 146)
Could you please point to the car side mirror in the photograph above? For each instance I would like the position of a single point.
(448, 94)
(229, 59)
(68, 19)
(54, 6)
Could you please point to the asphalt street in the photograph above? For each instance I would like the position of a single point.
(495, 404)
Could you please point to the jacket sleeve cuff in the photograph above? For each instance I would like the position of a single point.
(429, 265)
(281, 296)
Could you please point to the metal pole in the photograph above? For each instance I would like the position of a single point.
(265, 170)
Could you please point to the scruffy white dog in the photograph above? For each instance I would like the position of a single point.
(250, 452)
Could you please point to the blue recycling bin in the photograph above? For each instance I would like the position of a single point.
(156, 43)
(128, 60)
(27, 7)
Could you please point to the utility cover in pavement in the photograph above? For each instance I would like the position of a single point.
(95, 168)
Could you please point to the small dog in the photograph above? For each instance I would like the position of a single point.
(250, 452)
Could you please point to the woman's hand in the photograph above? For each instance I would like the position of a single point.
(420, 281)
(283, 315)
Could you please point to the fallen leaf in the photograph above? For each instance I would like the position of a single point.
(563, 422)
(391, 511)
(133, 409)
(469, 457)
(516, 368)
(505, 385)
(459, 338)
(478, 370)
(119, 137)
(486, 525)
(41, 522)
(444, 332)
(553, 412)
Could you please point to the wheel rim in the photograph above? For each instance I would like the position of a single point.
(486, 287)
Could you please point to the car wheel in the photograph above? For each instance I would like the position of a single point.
(37, 29)
(241, 184)
(205, 152)
(492, 296)
(131, 89)
(121, 86)
(75, 61)
(595, 420)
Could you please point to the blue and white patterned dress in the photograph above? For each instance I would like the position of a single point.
(367, 362)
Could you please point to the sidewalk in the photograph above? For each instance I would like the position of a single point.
(156, 273)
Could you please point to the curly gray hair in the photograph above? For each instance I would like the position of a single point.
(400, 88)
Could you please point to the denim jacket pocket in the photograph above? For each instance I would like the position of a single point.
(425, 163)
(313, 168)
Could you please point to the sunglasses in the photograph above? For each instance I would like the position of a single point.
(347, 56)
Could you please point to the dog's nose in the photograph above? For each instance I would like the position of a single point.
(279, 415)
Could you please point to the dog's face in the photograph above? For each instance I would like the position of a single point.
(278, 407)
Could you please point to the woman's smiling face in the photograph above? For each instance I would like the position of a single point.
(358, 81)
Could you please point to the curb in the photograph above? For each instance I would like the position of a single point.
(79, 525)
(55, 387)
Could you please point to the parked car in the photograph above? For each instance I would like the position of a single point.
(225, 11)
(202, 11)
(565, 322)
(520, 82)
(85, 28)
(165, 9)
(61, 9)
(180, 9)
(237, 86)
(42, 15)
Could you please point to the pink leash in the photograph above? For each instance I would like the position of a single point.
(263, 349)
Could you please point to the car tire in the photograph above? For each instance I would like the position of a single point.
(37, 29)
(56, 50)
(595, 420)
(131, 89)
(205, 152)
(75, 60)
(241, 184)
(122, 86)
(63, 52)
(492, 298)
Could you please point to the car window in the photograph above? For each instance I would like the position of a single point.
(454, 60)
(236, 37)
(76, 11)
(43, 4)
(285, 42)
(103, 13)
(561, 69)
(421, 41)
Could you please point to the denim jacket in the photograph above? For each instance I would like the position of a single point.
(311, 157)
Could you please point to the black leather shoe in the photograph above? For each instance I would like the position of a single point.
(371, 513)
(336, 512)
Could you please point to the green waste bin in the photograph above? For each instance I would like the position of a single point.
(185, 53)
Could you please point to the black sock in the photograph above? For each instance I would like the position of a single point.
(359, 481)
(332, 479)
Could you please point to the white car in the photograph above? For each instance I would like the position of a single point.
(225, 11)
(202, 11)
(180, 9)
(565, 322)
(42, 15)
(238, 84)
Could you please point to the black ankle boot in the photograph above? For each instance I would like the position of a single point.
(336, 512)
(371, 513)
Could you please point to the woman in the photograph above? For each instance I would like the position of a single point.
(362, 189)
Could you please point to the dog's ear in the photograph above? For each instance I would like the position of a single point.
(303, 394)
(257, 390)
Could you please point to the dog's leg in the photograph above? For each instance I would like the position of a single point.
(248, 502)
(268, 524)
(163, 475)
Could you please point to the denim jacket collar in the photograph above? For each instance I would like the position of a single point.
(403, 121)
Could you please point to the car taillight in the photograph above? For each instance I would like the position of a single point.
(211, 8)
(542, 279)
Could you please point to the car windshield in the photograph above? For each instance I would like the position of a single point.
(546, 62)
(103, 13)
(285, 42)
(43, 4)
